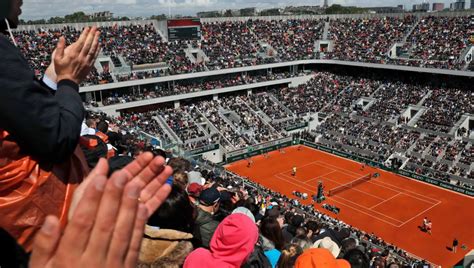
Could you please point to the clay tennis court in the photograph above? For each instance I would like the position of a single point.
(390, 205)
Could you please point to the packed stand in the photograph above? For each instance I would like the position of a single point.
(445, 108)
(292, 39)
(183, 87)
(439, 41)
(367, 39)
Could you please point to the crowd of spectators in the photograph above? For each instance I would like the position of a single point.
(188, 86)
(367, 39)
(229, 44)
(247, 120)
(393, 98)
(314, 95)
(439, 41)
(291, 39)
(446, 106)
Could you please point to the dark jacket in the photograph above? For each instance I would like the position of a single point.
(44, 124)
(204, 227)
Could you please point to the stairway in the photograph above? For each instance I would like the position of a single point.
(326, 31)
(164, 126)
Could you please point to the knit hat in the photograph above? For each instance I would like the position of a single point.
(328, 244)
(209, 196)
(244, 211)
(319, 258)
(233, 241)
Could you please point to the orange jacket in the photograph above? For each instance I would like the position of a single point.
(30, 190)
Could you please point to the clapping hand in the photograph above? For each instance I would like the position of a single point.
(74, 62)
(108, 219)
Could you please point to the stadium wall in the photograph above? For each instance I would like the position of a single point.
(341, 16)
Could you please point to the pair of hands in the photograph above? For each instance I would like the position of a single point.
(74, 62)
(108, 219)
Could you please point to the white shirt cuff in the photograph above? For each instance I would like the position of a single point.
(50, 83)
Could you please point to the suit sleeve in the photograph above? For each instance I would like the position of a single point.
(44, 125)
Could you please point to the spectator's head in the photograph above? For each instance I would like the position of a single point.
(209, 200)
(180, 164)
(175, 213)
(303, 242)
(301, 233)
(348, 244)
(11, 10)
(231, 245)
(181, 178)
(91, 123)
(313, 228)
(270, 229)
(296, 220)
(274, 212)
(288, 256)
(102, 126)
(357, 259)
(319, 258)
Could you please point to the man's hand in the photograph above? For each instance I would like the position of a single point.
(50, 71)
(107, 225)
(75, 61)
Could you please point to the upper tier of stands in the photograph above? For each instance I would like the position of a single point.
(140, 50)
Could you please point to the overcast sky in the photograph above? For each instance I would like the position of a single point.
(36, 9)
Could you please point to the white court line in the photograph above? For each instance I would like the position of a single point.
(363, 212)
(319, 177)
(305, 165)
(365, 208)
(385, 201)
(339, 183)
(278, 176)
(348, 171)
(405, 191)
(391, 185)
(424, 211)
(408, 194)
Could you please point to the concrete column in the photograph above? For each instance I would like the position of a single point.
(176, 104)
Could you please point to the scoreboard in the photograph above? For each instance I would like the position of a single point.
(184, 29)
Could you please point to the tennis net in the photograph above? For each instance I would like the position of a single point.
(349, 185)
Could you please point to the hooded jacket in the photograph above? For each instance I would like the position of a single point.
(232, 243)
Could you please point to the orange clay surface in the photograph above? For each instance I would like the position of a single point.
(391, 206)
